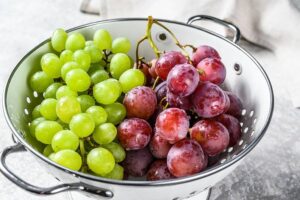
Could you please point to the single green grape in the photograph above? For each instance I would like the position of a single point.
(67, 107)
(65, 139)
(66, 56)
(100, 161)
(89, 43)
(85, 101)
(98, 76)
(120, 62)
(68, 158)
(39, 81)
(107, 92)
(131, 79)
(105, 133)
(45, 131)
(34, 124)
(51, 65)
(58, 39)
(63, 91)
(78, 80)
(116, 112)
(102, 39)
(51, 90)
(98, 114)
(121, 45)
(48, 109)
(68, 66)
(117, 173)
(117, 150)
(83, 58)
(82, 125)
(48, 150)
(75, 41)
(95, 53)
(36, 112)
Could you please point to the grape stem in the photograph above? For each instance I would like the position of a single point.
(191, 46)
(106, 54)
(154, 21)
(155, 83)
(138, 64)
(149, 36)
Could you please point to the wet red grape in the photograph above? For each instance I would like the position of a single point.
(236, 105)
(212, 70)
(167, 61)
(202, 52)
(137, 162)
(134, 133)
(159, 171)
(140, 102)
(145, 69)
(233, 126)
(211, 135)
(172, 124)
(183, 80)
(159, 147)
(179, 102)
(209, 100)
(186, 157)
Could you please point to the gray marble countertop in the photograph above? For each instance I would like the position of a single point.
(270, 171)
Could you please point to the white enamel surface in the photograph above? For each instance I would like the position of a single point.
(250, 86)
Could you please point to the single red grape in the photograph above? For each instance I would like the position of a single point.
(212, 70)
(159, 171)
(186, 157)
(172, 124)
(233, 126)
(179, 102)
(159, 147)
(137, 162)
(209, 100)
(134, 133)
(140, 102)
(236, 105)
(145, 69)
(183, 80)
(167, 61)
(211, 135)
(202, 52)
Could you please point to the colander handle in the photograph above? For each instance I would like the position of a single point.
(50, 190)
(236, 31)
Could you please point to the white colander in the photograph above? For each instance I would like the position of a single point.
(245, 77)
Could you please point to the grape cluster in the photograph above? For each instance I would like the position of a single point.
(105, 115)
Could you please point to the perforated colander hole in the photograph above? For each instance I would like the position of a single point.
(26, 111)
(244, 111)
(28, 100)
(244, 146)
(252, 133)
(246, 130)
(242, 124)
(35, 94)
(230, 149)
(223, 160)
(241, 142)
(233, 156)
(254, 121)
(251, 113)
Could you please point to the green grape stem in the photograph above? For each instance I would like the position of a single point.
(155, 83)
(137, 58)
(149, 36)
(82, 152)
(190, 46)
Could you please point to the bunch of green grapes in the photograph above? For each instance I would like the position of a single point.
(82, 82)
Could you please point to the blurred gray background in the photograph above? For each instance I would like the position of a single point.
(270, 171)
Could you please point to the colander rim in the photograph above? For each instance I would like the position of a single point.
(194, 177)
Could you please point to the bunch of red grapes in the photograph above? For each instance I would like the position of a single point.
(187, 121)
